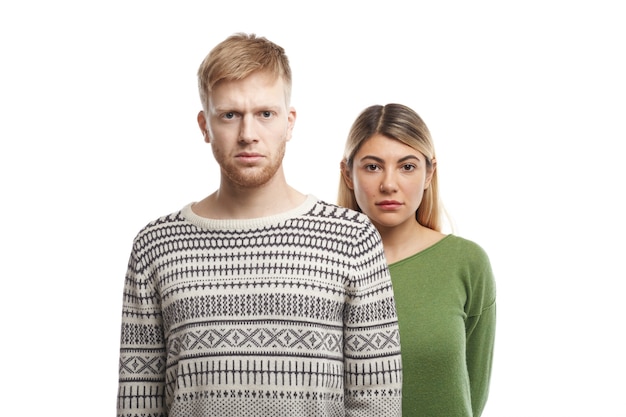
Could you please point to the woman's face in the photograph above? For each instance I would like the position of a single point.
(388, 179)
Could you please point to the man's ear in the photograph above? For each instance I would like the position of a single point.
(203, 126)
(291, 121)
(346, 174)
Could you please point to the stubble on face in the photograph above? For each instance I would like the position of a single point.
(248, 130)
(251, 176)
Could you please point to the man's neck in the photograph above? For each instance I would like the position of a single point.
(230, 202)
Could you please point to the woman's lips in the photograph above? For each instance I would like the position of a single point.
(389, 204)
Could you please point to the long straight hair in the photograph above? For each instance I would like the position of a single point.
(403, 124)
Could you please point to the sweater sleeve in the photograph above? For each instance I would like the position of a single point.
(372, 363)
(480, 333)
(141, 390)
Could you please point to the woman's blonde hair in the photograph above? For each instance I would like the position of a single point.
(403, 124)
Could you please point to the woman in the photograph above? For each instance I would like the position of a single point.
(443, 284)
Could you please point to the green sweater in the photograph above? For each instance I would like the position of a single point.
(446, 301)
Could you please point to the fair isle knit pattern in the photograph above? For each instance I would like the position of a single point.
(289, 315)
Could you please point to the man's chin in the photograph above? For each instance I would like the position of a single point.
(252, 179)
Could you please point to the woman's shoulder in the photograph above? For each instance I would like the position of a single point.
(474, 260)
(465, 245)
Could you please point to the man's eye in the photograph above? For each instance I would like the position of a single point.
(266, 114)
(229, 115)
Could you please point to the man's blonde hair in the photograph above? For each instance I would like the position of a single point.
(238, 56)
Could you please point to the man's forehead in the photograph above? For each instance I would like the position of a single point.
(252, 91)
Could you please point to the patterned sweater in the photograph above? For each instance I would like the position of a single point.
(286, 315)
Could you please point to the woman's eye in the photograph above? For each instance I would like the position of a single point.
(371, 167)
(408, 167)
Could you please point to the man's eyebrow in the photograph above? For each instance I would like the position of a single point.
(234, 108)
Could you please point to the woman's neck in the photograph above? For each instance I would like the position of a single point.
(405, 240)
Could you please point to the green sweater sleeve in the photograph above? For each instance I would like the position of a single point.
(480, 330)
(480, 341)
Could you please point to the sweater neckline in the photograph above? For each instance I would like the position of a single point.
(239, 224)
(424, 251)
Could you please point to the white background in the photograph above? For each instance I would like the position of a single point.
(525, 100)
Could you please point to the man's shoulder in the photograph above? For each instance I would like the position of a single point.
(324, 209)
(341, 222)
(162, 222)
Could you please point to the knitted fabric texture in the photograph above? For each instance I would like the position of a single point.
(446, 303)
(288, 315)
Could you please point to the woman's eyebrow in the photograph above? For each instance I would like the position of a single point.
(409, 157)
(375, 158)
(380, 160)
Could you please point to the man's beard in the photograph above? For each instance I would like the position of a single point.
(251, 177)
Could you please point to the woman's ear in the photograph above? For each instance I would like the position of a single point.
(430, 173)
(203, 126)
(346, 174)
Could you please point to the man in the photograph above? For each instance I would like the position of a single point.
(258, 300)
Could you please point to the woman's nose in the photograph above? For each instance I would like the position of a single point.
(388, 185)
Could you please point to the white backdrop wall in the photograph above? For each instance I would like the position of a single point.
(525, 100)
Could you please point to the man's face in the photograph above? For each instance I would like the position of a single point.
(248, 125)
